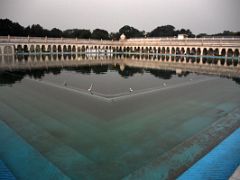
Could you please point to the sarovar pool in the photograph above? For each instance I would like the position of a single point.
(105, 119)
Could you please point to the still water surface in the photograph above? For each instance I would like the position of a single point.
(52, 127)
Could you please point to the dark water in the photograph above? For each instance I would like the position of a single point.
(52, 127)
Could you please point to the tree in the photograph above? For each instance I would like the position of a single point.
(185, 31)
(7, 27)
(68, 33)
(131, 32)
(77, 33)
(202, 35)
(82, 33)
(163, 31)
(37, 30)
(114, 36)
(55, 33)
(100, 34)
(227, 33)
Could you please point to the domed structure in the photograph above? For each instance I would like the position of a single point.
(123, 37)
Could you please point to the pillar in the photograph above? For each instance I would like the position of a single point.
(201, 58)
(51, 51)
(62, 49)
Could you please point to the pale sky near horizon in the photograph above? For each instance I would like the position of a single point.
(210, 16)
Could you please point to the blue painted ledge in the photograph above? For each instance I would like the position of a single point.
(219, 163)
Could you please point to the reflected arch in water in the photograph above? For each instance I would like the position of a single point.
(38, 57)
(43, 57)
(54, 57)
(167, 58)
(32, 57)
(219, 61)
(8, 59)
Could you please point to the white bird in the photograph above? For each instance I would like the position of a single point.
(164, 84)
(130, 89)
(90, 88)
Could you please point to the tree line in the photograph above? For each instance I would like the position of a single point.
(7, 27)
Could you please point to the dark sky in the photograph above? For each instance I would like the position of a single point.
(210, 16)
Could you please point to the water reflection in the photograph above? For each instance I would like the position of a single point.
(224, 61)
(11, 77)
(15, 68)
(236, 80)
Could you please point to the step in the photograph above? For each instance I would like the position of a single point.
(61, 155)
(5, 173)
(219, 163)
(23, 160)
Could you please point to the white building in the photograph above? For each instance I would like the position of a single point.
(182, 36)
